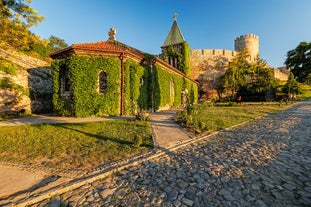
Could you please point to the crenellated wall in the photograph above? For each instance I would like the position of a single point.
(207, 65)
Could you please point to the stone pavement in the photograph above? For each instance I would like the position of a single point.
(166, 132)
(266, 162)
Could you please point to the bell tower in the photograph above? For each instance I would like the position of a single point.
(173, 44)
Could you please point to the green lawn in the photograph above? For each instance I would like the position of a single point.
(82, 145)
(207, 118)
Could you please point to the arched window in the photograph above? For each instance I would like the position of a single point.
(102, 80)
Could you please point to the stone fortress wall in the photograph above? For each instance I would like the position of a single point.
(249, 41)
(209, 64)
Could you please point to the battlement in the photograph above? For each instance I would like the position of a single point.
(247, 36)
(213, 52)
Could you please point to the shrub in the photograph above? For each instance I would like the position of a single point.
(143, 116)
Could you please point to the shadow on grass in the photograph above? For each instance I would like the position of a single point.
(96, 136)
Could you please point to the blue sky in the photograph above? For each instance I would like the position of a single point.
(206, 24)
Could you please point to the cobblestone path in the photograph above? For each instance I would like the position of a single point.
(266, 162)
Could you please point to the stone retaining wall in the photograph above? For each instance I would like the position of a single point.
(34, 76)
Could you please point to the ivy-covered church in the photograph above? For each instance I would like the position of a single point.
(112, 78)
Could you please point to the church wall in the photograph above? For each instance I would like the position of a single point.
(87, 100)
(170, 89)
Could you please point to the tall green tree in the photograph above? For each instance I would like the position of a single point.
(236, 74)
(251, 76)
(262, 76)
(299, 61)
(292, 87)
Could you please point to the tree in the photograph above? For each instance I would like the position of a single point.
(20, 11)
(236, 74)
(292, 87)
(299, 61)
(57, 43)
(245, 75)
(262, 76)
(16, 18)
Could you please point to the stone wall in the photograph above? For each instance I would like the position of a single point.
(250, 42)
(206, 66)
(34, 76)
(281, 73)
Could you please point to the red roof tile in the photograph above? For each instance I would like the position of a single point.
(106, 45)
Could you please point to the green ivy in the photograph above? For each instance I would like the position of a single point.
(136, 93)
(85, 100)
(83, 75)
(163, 80)
(183, 57)
(20, 91)
(8, 67)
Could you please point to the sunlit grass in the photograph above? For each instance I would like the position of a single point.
(82, 145)
(208, 118)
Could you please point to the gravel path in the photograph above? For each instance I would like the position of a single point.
(266, 162)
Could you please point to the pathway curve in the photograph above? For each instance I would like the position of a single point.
(266, 162)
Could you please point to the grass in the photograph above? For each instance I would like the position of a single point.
(306, 92)
(208, 118)
(80, 145)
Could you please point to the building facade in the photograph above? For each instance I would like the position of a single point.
(111, 78)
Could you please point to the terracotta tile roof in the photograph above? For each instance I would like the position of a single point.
(105, 46)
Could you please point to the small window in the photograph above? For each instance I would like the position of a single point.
(64, 82)
(102, 79)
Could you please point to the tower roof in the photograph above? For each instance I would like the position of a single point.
(174, 36)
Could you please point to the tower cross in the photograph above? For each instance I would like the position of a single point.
(175, 16)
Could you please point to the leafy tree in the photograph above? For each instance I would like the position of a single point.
(262, 76)
(57, 43)
(20, 11)
(243, 74)
(236, 74)
(299, 61)
(16, 18)
(292, 86)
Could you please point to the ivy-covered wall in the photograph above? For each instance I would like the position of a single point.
(182, 54)
(163, 80)
(85, 99)
(137, 87)
(144, 87)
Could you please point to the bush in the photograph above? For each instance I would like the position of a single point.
(143, 116)
(188, 118)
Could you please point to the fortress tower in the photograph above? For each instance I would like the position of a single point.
(249, 41)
